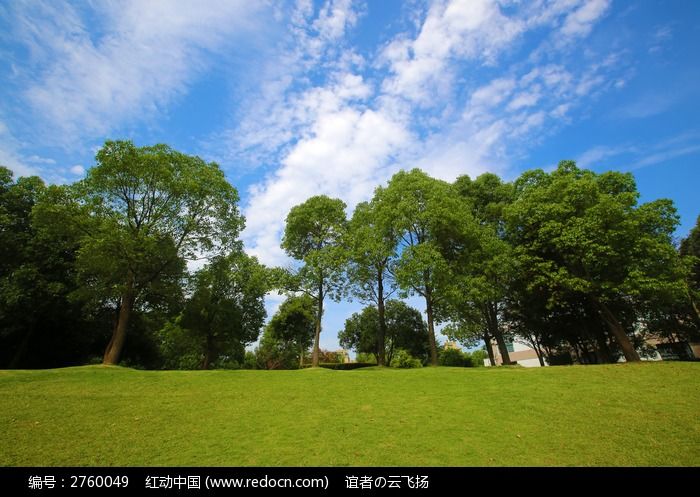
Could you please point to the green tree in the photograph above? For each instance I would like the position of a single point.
(372, 243)
(227, 308)
(483, 273)
(690, 249)
(148, 209)
(405, 329)
(582, 233)
(40, 324)
(294, 324)
(274, 353)
(314, 234)
(426, 215)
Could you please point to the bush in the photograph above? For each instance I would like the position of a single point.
(404, 360)
(250, 361)
(478, 357)
(366, 357)
(455, 358)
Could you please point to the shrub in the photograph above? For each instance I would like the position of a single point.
(404, 360)
(250, 361)
(455, 358)
(478, 357)
(366, 357)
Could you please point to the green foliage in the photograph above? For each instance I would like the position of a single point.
(404, 360)
(405, 329)
(294, 324)
(582, 234)
(690, 251)
(40, 324)
(478, 357)
(224, 313)
(227, 308)
(249, 360)
(273, 353)
(372, 241)
(427, 217)
(364, 357)
(455, 358)
(141, 211)
(313, 234)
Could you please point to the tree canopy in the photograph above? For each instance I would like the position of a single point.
(313, 235)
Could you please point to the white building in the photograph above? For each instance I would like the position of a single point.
(521, 353)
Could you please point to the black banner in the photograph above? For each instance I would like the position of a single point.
(185, 481)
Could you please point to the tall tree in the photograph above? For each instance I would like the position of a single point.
(405, 329)
(372, 243)
(149, 208)
(294, 324)
(582, 233)
(314, 234)
(427, 215)
(484, 273)
(227, 308)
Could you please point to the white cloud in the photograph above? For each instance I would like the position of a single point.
(596, 155)
(461, 29)
(664, 155)
(493, 93)
(14, 162)
(9, 155)
(635, 156)
(35, 159)
(580, 22)
(147, 55)
(525, 99)
(334, 19)
(346, 135)
(345, 155)
(78, 170)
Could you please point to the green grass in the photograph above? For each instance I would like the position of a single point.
(617, 415)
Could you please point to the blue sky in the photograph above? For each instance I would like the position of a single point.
(294, 99)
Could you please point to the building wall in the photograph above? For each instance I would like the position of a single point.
(523, 354)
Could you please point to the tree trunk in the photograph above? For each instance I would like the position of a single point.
(618, 332)
(207, 354)
(489, 348)
(381, 339)
(319, 315)
(695, 307)
(116, 344)
(301, 357)
(431, 327)
(538, 349)
(495, 330)
(539, 357)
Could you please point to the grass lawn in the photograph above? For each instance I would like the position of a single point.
(616, 415)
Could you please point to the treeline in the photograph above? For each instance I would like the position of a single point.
(564, 261)
(96, 271)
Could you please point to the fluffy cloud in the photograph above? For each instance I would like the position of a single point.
(580, 22)
(461, 29)
(146, 55)
(78, 170)
(346, 134)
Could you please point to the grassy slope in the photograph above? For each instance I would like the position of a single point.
(631, 414)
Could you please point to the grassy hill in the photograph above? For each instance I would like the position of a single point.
(621, 415)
